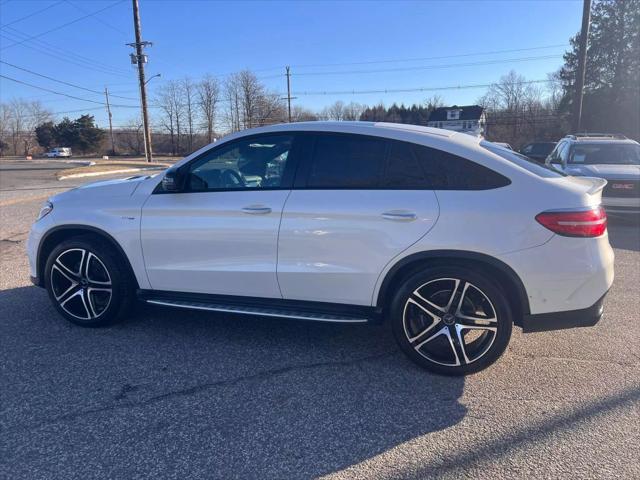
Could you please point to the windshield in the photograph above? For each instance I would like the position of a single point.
(522, 161)
(541, 148)
(605, 154)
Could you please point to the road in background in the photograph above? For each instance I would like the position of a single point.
(177, 394)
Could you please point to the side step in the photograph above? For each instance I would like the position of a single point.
(259, 310)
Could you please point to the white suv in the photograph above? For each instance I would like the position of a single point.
(451, 239)
(612, 157)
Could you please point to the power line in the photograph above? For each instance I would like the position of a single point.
(80, 63)
(37, 12)
(104, 22)
(63, 94)
(65, 52)
(417, 59)
(63, 25)
(408, 90)
(62, 81)
(429, 67)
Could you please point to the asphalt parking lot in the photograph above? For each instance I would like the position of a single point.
(176, 394)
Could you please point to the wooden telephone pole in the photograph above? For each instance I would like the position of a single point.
(113, 145)
(140, 60)
(582, 61)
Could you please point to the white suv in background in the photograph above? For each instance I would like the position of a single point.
(612, 157)
(451, 239)
(59, 152)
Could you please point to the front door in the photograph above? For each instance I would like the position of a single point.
(219, 235)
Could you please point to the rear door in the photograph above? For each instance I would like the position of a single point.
(358, 202)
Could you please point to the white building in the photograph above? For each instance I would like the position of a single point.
(470, 119)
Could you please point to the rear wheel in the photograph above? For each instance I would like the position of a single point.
(88, 282)
(451, 320)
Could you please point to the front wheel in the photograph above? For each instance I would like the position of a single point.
(451, 320)
(88, 282)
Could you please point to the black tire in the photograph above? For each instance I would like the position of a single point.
(458, 330)
(104, 289)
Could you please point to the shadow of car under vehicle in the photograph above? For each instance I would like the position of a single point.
(220, 395)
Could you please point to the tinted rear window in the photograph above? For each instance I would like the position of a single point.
(347, 161)
(446, 171)
(522, 161)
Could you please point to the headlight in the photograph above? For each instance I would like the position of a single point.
(45, 210)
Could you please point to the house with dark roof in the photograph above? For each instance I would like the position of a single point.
(470, 119)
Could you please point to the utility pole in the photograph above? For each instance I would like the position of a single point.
(140, 60)
(582, 61)
(113, 145)
(289, 92)
(288, 98)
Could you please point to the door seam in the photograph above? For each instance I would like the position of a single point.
(284, 205)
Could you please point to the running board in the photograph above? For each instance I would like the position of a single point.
(259, 311)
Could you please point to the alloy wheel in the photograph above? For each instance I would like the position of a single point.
(81, 284)
(450, 321)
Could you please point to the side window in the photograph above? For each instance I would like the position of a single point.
(402, 169)
(446, 171)
(251, 163)
(346, 161)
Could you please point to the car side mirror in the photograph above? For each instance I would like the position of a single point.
(172, 180)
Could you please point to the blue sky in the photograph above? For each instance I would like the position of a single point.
(195, 37)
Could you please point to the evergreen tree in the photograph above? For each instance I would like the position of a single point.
(46, 135)
(612, 76)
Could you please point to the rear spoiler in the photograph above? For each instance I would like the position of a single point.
(597, 184)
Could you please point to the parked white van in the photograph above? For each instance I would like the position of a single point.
(59, 152)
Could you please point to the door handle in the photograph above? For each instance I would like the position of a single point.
(399, 215)
(256, 210)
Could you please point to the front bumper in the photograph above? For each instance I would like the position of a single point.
(621, 205)
(586, 317)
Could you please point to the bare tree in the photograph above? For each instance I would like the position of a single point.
(333, 112)
(131, 136)
(5, 119)
(232, 97)
(208, 96)
(352, 111)
(189, 101)
(172, 106)
(248, 103)
(301, 114)
(518, 111)
(22, 117)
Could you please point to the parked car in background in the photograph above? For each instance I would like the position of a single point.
(503, 145)
(59, 152)
(438, 232)
(538, 151)
(612, 157)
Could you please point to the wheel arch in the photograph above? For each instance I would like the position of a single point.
(507, 277)
(63, 232)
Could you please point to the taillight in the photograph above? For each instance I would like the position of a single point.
(571, 223)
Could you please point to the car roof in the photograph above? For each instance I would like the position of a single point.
(603, 140)
(352, 127)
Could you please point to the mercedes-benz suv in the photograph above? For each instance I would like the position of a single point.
(451, 239)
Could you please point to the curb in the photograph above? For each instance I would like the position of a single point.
(108, 172)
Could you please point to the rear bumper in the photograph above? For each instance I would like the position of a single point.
(586, 317)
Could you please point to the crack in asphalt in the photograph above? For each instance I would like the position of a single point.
(198, 388)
